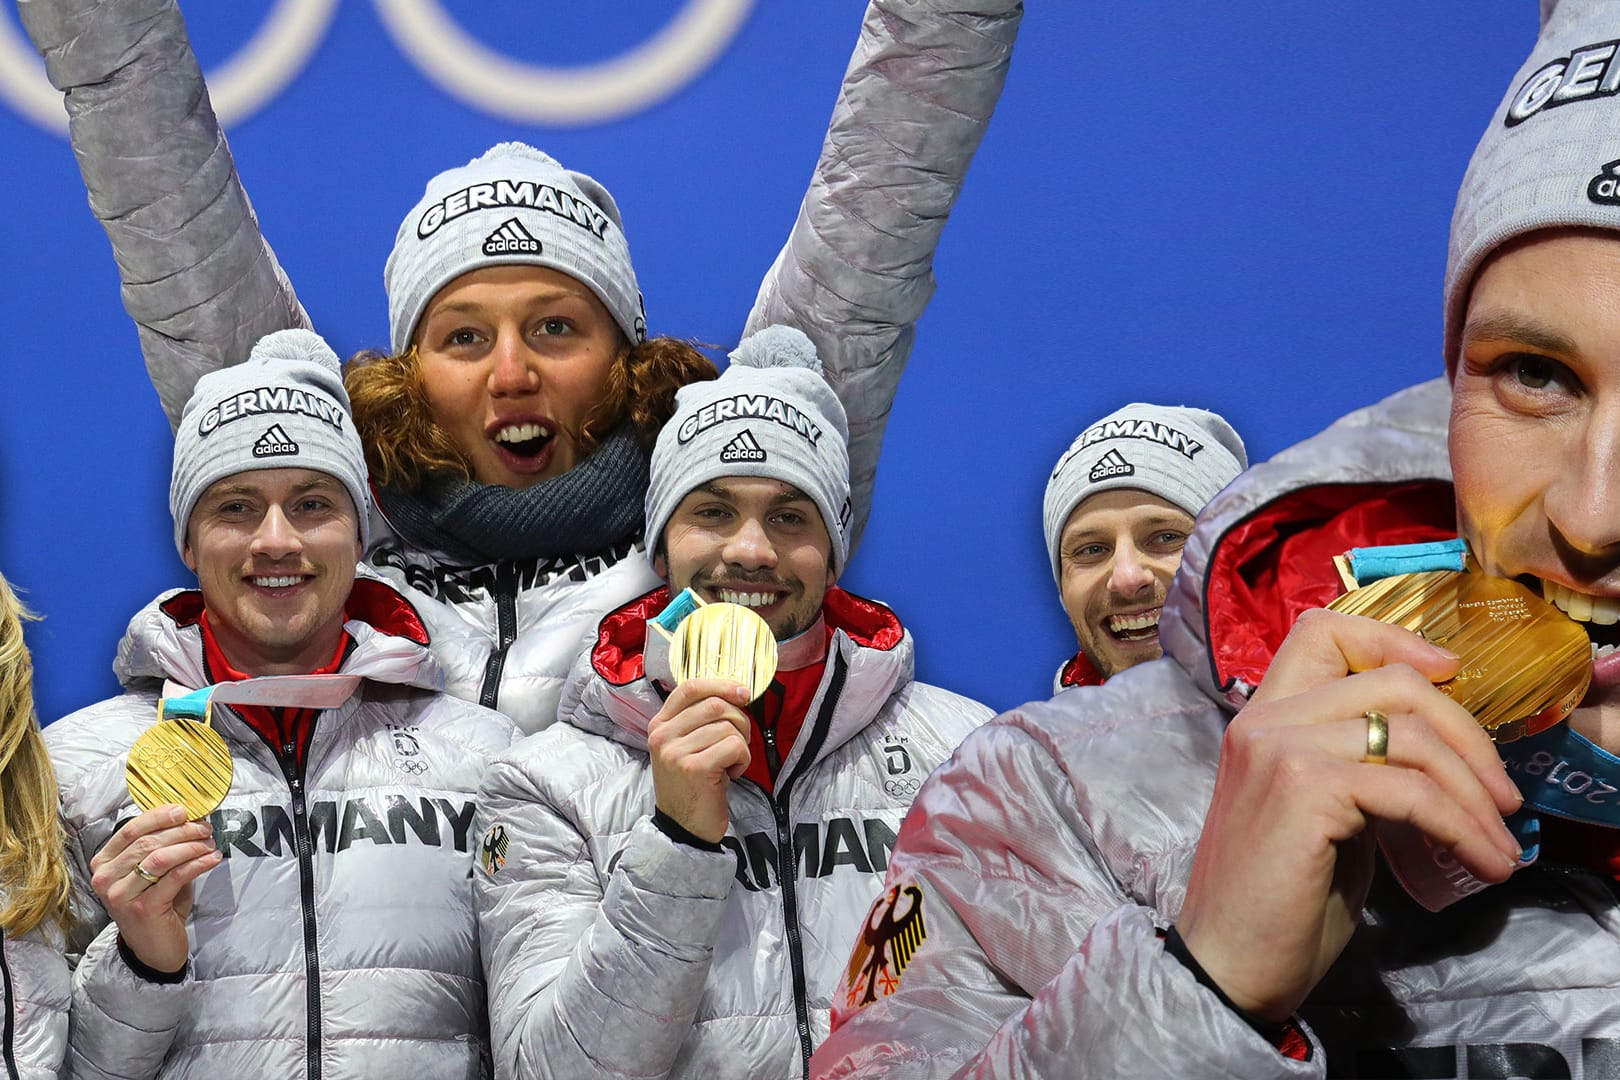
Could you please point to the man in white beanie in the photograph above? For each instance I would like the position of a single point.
(1323, 883)
(672, 872)
(318, 922)
(1119, 507)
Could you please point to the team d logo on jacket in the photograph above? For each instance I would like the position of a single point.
(889, 937)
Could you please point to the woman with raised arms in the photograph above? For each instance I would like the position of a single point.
(509, 423)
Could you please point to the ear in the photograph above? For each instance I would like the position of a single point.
(660, 565)
(187, 555)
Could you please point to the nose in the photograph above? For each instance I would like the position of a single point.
(512, 370)
(1583, 501)
(749, 546)
(276, 537)
(1129, 573)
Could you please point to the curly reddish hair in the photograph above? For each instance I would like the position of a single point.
(405, 447)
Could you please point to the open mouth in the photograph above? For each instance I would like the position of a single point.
(527, 443)
(1600, 615)
(1136, 626)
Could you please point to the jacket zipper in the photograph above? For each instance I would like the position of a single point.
(505, 596)
(288, 756)
(11, 1014)
(785, 860)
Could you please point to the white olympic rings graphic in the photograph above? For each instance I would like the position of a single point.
(457, 62)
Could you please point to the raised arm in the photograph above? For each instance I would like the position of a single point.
(857, 270)
(587, 979)
(198, 278)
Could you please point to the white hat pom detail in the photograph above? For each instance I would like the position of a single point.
(298, 345)
(777, 347)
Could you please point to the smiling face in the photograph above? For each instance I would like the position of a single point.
(513, 359)
(274, 551)
(751, 541)
(1535, 432)
(1118, 552)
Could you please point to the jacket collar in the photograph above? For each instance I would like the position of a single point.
(1261, 551)
(608, 693)
(164, 640)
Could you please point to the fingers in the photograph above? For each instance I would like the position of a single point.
(173, 853)
(1425, 783)
(709, 701)
(1441, 769)
(693, 691)
(135, 829)
(1325, 646)
(1477, 839)
(183, 867)
(1396, 691)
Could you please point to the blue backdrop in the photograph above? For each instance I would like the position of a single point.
(1239, 206)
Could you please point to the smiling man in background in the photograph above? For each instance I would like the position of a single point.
(1119, 506)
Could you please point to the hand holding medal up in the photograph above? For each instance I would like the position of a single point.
(723, 656)
(1362, 730)
(179, 772)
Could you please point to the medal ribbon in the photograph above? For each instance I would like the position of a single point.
(295, 691)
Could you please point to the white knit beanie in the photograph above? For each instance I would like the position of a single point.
(284, 408)
(512, 205)
(770, 414)
(1551, 155)
(1184, 456)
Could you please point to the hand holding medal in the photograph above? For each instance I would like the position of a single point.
(1526, 665)
(721, 657)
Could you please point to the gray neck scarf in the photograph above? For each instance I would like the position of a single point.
(586, 509)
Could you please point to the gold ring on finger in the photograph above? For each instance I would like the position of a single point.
(147, 875)
(1377, 737)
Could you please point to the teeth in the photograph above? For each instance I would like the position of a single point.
(1601, 610)
(275, 582)
(1145, 621)
(517, 433)
(748, 600)
(1603, 650)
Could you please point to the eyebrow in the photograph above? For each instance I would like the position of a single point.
(243, 487)
(720, 491)
(543, 296)
(1519, 328)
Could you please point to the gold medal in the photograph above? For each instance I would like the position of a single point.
(1526, 665)
(724, 641)
(179, 761)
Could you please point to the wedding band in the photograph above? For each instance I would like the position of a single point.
(1377, 737)
(147, 874)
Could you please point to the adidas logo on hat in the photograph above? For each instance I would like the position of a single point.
(511, 239)
(274, 443)
(1110, 465)
(742, 448)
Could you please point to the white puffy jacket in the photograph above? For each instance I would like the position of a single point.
(337, 938)
(612, 950)
(34, 979)
(855, 275)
